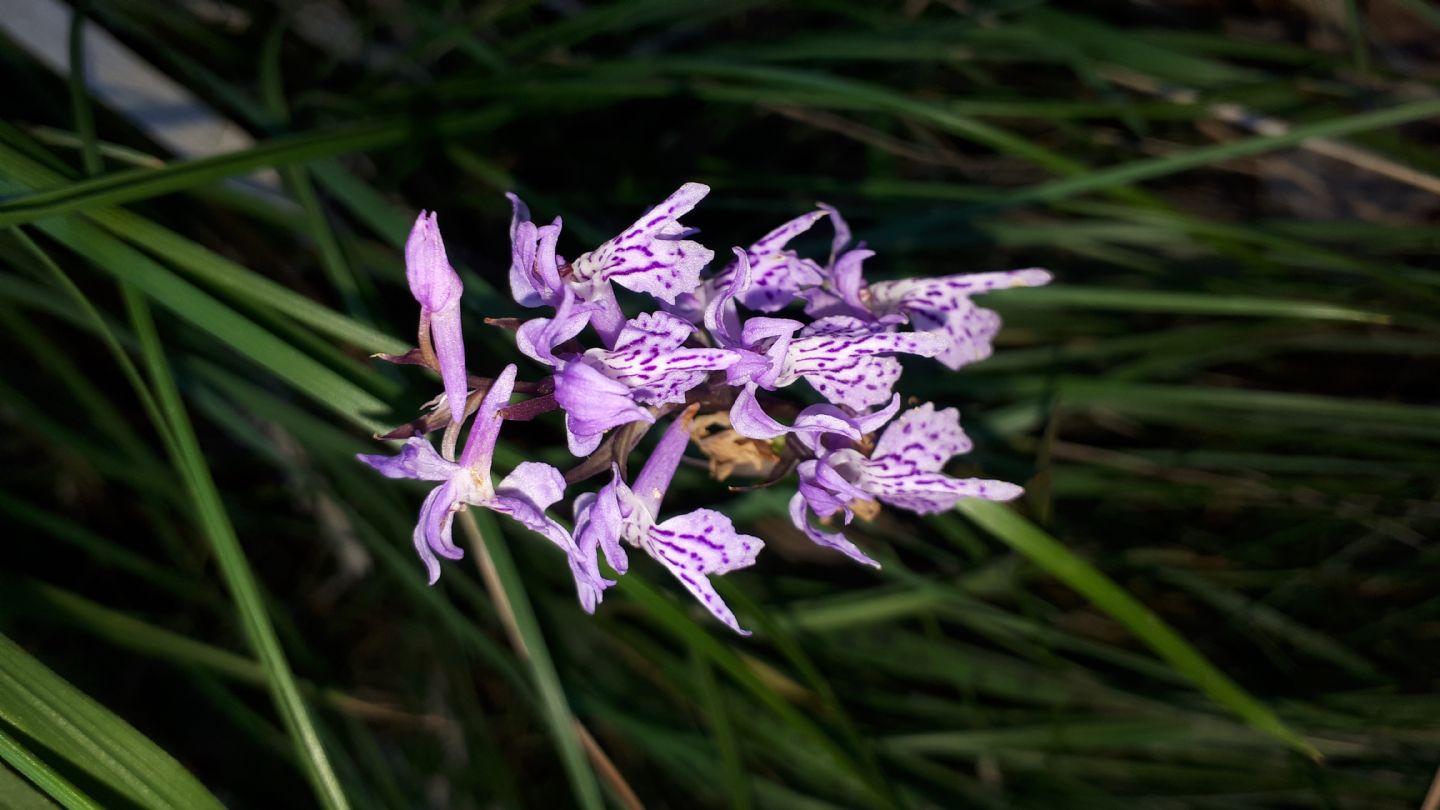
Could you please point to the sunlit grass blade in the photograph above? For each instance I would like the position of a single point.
(1008, 526)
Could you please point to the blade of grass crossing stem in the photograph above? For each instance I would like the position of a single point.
(33, 768)
(1018, 533)
(43, 707)
(486, 537)
(244, 589)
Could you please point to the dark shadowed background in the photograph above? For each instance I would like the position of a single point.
(1218, 592)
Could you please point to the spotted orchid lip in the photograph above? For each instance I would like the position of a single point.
(722, 346)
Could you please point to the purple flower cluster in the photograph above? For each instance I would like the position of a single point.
(711, 355)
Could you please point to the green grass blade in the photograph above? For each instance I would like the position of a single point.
(21, 172)
(1151, 168)
(130, 185)
(33, 768)
(239, 579)
(1189, 303)
(553, 702)
(1043, 550)
(45, 708)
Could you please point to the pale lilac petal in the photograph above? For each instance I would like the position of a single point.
(842, 231)
(750, 420)
(652, 256)
(649, 358)
(534, 272)
(654, 478)
(928, 493)
(600, 521)
(416, 459)
(593, 404)
(432, 530)
(721, 317)
(826, 482)
(449, 344)
(833, 540)
(698, 544)
(921, 440)
(607, 319)
(538, 337)
(485, 430)
(541, 483)
(433, 281)
(871, 422)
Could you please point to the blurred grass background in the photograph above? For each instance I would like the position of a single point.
(1219, 591)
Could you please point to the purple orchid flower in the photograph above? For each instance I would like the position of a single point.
(692, 546)
(777, 275)
(437, 287)
(904, 470)
(648, 365)
(848, 360)
(942, 306)
(524, 494)
(652, 256)
(939, 306)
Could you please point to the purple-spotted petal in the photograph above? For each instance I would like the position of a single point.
(921, 440)
(846, 360)
(652, 255)
(699, 544)
(832, 540)
(416, 459)
(650, 358)
(778, 274)
(928, 493)
(942, 306)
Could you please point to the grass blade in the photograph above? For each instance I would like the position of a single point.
(215, 523)
(1043, 550)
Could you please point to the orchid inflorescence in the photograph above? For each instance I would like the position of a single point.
(711, 357)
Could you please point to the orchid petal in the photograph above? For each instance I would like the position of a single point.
(652, 256)
(417, 459)
(698, 544)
